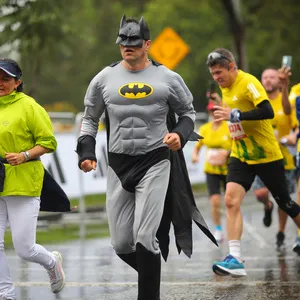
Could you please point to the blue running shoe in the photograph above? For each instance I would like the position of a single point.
(229, 266)
(296, 246)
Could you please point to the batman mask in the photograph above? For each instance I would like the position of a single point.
(132, 34)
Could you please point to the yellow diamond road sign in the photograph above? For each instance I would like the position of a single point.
(169, 48)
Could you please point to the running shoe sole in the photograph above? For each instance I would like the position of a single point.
(60, 260)
(222, 271)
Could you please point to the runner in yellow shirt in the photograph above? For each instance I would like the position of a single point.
(294, 100)
(218, 144)
(285, 126)
(255, 151)
(294, 93)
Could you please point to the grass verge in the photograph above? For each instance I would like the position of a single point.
(63, 233)
(99, 199)
(60, 233)
(90, 200)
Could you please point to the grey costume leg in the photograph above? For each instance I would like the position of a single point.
(149, 205)
(120, 206)
(150, 198)
(134, 220)
(136, 217)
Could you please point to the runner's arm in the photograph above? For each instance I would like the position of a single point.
(262, 111)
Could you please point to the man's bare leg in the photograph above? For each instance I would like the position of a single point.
(215, 204)
(232, 264)
(262, 195)
(296, 246)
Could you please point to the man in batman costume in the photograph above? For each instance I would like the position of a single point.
(148, 187)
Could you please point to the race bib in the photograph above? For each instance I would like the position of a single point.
(217, 157)
(236, 131)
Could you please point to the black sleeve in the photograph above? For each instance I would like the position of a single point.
(263, 111)
(184, 128)
(86, 148)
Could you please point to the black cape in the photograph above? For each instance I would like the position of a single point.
(180, 207)
(53, 198)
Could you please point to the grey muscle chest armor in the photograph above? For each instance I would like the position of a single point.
(137, 104)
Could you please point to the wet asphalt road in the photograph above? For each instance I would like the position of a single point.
(95, 273)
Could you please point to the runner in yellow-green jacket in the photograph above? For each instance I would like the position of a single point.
(25, 134)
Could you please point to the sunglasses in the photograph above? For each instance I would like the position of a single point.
(215, 56)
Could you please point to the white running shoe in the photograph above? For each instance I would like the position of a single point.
(56, 274)
(218, 236)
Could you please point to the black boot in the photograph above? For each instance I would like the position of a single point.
(130, 259)
(149, 265)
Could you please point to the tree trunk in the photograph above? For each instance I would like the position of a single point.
(238, 30)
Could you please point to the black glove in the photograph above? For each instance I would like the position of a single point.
(86, 149)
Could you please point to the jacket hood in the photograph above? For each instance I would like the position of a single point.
(11, 98)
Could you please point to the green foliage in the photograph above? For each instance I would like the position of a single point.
(272, 31)
(201, 25)
(62, 45)
(33, 29)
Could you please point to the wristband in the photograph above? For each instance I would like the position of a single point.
(283, 141)
(26, 155)
(235, 116)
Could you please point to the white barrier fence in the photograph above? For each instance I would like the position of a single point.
(63, 165)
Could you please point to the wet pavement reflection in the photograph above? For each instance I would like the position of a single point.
(94, 272)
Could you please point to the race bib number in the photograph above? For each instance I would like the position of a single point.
(236, 131)
(217, 157)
